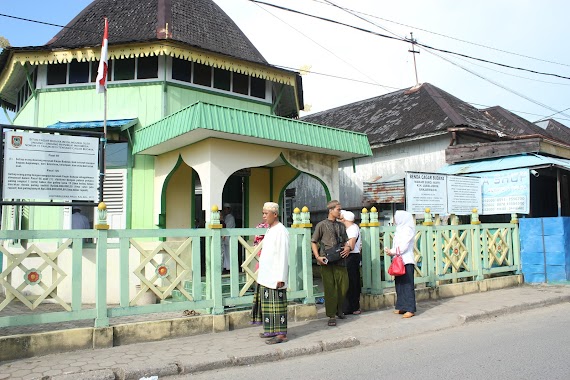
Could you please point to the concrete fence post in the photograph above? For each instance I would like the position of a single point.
(306, 254)
(375, 254)
(102, 319)
(214, 261)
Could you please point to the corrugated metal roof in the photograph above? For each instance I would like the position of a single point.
(202, 120)
(384, 191)
(505, 163)
(119, 123)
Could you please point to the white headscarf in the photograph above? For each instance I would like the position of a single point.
(405, 229)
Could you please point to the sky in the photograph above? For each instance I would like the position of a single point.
(347, 65)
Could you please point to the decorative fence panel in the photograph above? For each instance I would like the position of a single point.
(442, 253)
(133, 272)
(179, 269)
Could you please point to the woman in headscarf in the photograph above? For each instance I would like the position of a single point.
(404, 241)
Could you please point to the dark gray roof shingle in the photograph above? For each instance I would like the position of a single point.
(559, 130)
(404, 114)
(513, 124)
(199, 23)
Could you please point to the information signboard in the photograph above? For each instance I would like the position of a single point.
(442, 193)
(463, 194)
(426, 190)
(50, 167)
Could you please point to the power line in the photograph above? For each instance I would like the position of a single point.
(374, 83)
(404, 40)
(400, 88)
(446, 36)
(322, 47)
(454, 63)
(498, 84)
(550, 116)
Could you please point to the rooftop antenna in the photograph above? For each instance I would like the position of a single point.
(414, 52)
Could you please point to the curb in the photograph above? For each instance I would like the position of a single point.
(185, 368)
(513, 309)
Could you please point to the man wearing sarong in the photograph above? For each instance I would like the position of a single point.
(270, 299)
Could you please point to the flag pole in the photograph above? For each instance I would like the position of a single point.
(101, 87)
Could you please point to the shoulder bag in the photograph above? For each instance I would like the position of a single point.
(397, 268)
(333, 254)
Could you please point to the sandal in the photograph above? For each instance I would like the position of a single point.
(275, 340)
(409, 314)
(332, 322)
(357, 312)
(263, 336)
(190, 313)
(399, 312)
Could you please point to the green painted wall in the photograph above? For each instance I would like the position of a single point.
(143, 193)
(26, 115)
(142, 101)
(46, 218)
(129, 100)
(179, 97)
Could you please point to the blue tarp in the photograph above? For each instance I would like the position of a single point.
(530, 160)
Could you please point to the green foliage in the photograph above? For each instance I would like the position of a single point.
(4, 43)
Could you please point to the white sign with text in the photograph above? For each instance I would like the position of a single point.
(50, 167)
(442, 193)
(464, 194)
(426, 190)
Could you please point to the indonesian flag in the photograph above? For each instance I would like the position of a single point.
(101, 82)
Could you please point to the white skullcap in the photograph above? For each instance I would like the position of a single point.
(348, 215)
(227, 205)
(271, 206)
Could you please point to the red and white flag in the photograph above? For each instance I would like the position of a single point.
(101, 82)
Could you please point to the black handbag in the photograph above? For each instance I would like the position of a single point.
(333, 254)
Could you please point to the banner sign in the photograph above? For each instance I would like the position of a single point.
(50, 167)
(442, 194)
(506, 192)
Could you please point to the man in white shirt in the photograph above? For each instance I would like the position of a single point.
(270, 299)
(352, 300)
(78, 220)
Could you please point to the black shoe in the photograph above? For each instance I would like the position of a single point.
(341, 316)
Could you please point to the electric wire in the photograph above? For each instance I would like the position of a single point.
(405, 40)
(323, 47)
(460, 66)
(450, 37)
(333, 21)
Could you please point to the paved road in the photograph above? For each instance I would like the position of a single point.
(531, 345)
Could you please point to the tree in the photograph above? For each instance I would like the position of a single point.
(4, 43)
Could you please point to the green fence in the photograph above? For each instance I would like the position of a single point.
(443, 253)
(53, 276)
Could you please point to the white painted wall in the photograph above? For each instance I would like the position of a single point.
(425, 155)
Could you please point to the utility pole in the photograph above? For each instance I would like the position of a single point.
(414, 52)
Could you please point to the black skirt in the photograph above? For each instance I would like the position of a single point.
(405, 291)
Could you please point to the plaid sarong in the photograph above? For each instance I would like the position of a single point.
(270, 308)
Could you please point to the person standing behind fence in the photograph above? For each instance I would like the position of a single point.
(270, 298)
(328, 233)
(230, 222)
(404, 239)
(352, 300)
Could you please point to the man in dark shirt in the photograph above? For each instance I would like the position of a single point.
(328, 233)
